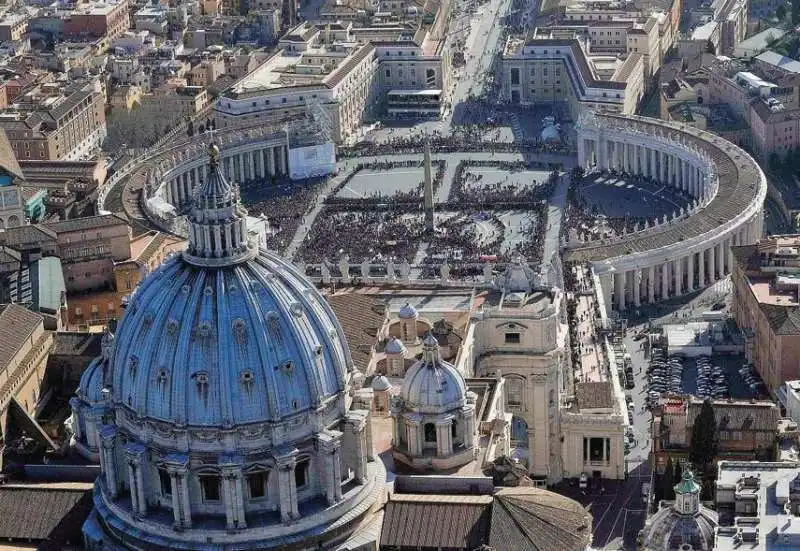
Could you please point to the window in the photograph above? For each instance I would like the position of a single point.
(388, 73)
(257, 485)
(514, 392)
(512, 338)
(209, 485)
(301, 473)
(166, 483)
(430, 432)
(514, 76)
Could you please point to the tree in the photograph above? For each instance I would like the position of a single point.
(795, 12)
(678, 474)
(780, 12)
(668, 481)
(704, 442)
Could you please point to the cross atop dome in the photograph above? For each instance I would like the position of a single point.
(217, 221)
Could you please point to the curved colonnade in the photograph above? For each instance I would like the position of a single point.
(691, 251)
(657, 263)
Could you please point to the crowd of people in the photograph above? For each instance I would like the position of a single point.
(285, 205)
(414, 196)
(362, 235)
(468, 187)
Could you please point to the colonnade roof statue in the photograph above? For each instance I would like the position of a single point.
(225, 401)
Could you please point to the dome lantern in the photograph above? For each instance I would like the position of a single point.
(217, 221)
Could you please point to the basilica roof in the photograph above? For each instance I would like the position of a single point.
(433, 385)
(224, 334)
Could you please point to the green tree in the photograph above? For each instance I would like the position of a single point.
(668, 481)
(678, 474)
(795, 12)
(704, 442)
(780, 12)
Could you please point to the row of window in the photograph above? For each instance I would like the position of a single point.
(256, 483)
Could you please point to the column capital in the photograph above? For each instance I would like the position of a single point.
(176, 463)
(134, 452)
(286, 457)
(329, 441)
(108, 435)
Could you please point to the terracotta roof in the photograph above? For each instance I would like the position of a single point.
(361, 318)
(69, 343)
(21, 235)
(8, 161)
(784, 320)
(34, 513)
(436, 523)
(531, 519)
(513, 519)
(16, 326)
(594, 395)
(88, 223)
(740, 415)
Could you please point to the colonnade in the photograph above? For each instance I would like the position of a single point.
(264, 162)
(678, 276)
(698, 253)
(682, 171)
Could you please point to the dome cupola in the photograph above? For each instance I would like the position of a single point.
(432, 385)
(217, 221)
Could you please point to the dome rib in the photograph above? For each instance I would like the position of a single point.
(180, 406)
(224, 321)
(265, 351)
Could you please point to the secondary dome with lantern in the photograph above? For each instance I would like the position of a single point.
(228, 352)
(433, 385)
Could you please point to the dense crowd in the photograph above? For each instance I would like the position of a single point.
(468, 188)
(284, 204)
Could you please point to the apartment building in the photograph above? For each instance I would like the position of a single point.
(765, 92)
(13, 26)
(89, 247)
(746, 429)
(757, 504)
(55, 121)
(108, 20)
(765, 279)
(561, 71)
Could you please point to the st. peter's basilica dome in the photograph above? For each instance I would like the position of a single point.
(225, 412)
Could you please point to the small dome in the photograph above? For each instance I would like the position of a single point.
(394, 346)
(381, 383)
(91, 384)
(432, 385)
(687, 485)
(407, 312)
(550, 134)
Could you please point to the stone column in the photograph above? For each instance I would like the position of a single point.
(271, 161)
(444, 440)
(651, 284)
(75, 405)
(468, 418)
(233, 492)
(678, 276)
(664, 281)
(330, 443)
(721, 259)
(260, 163)
(108, 458)
(287, 486)
(252, 162)
(731, 244)
(637, 283)
(712, 265)
(242, 161)
(356, 422)
(135, 455)
(413, 438)
(690, 273)
(178, 469)
(701, 267)
(619, 290)
(581, 152)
